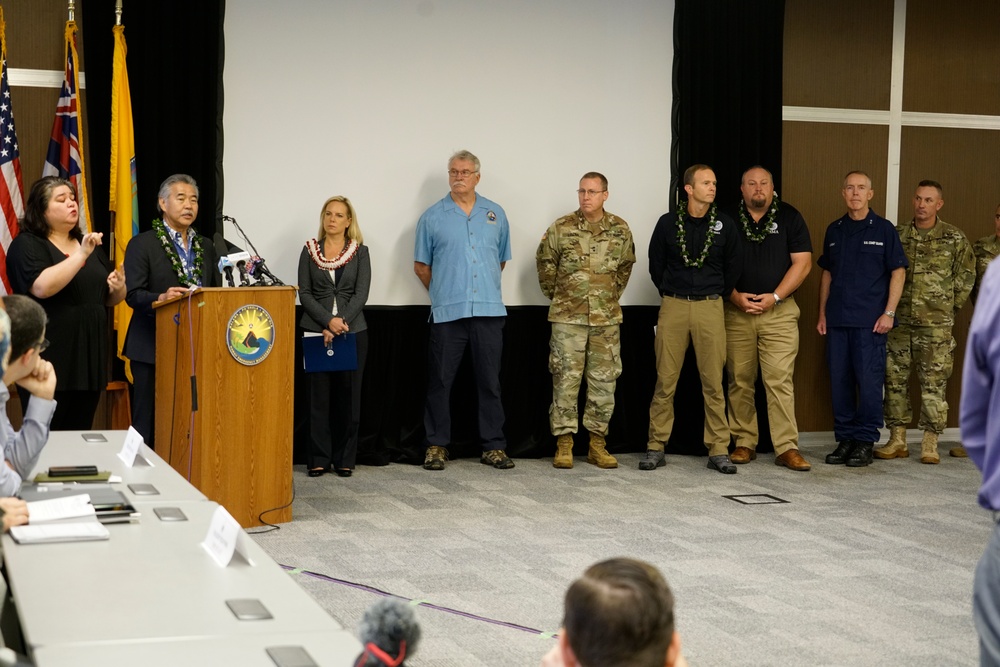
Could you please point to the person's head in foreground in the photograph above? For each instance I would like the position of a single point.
(620, 613)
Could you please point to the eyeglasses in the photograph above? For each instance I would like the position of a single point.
(590, 193)
(44, 345)
(465, 173)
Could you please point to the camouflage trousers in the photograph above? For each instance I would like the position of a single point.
(575, 351)
(933, 351)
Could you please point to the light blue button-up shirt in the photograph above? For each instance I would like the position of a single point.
(464, 253)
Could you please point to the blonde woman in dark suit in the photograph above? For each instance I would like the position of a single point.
(334, 278)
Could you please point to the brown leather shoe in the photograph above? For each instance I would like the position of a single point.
(742, 455)
(792, 460)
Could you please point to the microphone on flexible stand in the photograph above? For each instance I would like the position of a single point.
(262, 270)
(389, 632)
(225, 266)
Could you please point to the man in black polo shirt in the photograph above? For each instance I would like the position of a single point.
(694, 261)
(762, 319)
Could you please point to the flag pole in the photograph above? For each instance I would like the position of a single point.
(72, 10)
(118, 12)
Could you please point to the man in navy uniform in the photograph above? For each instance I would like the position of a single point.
(864, 267)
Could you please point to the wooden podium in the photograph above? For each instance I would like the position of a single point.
(236, 448)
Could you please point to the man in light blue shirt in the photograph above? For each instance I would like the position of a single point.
(462, 245)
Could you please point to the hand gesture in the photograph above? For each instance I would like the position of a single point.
(89, 242)
(116, 279)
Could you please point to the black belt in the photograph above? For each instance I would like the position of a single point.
(708, 297)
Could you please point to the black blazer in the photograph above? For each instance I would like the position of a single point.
(148, 274)
(317, 292)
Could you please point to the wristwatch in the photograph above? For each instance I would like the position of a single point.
(891, 313)
(777, 299)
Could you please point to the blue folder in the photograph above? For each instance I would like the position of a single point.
(340, 355)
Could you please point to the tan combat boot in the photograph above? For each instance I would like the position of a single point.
(598, 455)
(958, 452)
(896, 447)
(564, 451)
(928, 448)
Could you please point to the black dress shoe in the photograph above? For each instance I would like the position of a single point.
(841, 453)
(316, 472)
(343, 472)
(861, 455)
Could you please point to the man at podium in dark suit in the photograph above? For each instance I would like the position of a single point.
(160, 264)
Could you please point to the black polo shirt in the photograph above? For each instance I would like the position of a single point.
(766, 263)
(722, 265)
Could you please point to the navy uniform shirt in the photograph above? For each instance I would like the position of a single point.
(722, 265)
(860, 256)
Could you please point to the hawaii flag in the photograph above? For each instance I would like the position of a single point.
(11, 184)
(65, 156)
(124, 204)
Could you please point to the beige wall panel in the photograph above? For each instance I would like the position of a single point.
(963, 161)
(816, 158)
(952, 60)
(838, 54)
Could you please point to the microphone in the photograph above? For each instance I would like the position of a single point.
(262, 270)
(225, 266)
(240, 259)
(389, 632)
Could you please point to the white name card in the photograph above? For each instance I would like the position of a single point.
(225, 537)
(130, 450)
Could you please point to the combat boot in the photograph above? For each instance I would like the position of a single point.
(896, 447)
(598, 455)
(928, 448)
(564, 451)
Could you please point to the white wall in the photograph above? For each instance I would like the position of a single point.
(369, 98)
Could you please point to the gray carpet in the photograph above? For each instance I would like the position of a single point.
(869, 566)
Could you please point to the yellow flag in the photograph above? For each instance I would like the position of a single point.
(123, 203)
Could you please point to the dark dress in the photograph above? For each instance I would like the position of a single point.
(77, 329)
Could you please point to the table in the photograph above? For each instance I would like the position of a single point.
(69, 448)
(151, 595)
(338, 649)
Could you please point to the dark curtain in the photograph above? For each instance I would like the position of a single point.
(727, 103)
(396, 377)
(175, 78)
(727, 90)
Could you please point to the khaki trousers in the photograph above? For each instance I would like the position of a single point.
(770, 342)
(702, 324)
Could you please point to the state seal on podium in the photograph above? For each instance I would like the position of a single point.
(250, 334)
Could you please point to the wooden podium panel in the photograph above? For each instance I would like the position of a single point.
(236, 448)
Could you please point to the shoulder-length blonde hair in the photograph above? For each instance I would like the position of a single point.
(353, 231)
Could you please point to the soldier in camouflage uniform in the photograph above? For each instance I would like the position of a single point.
(986, 249)
(584, 262)
(938, 283)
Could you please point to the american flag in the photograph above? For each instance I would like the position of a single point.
(11, 184)
(65, 156)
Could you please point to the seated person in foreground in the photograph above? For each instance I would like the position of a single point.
(620, 613)
(27, 369)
